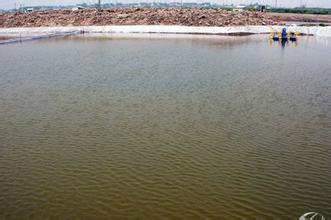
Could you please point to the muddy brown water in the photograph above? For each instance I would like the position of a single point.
(224, 128)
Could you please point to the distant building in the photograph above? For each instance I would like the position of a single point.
(205, 5)
(77, 8)
(175, 4)
(35, 8)
(239, 8)
(190, 5)
(27, 9)
(262, 8)
(144, 5)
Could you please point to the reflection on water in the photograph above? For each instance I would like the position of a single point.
(283, 43)
(4, 38)
(212, 40)
(225, 128)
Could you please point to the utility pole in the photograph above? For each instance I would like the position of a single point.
(99, 4)
(275, 3)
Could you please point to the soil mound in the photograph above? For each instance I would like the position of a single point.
(135, 16)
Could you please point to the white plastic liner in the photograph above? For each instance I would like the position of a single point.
(169, 29)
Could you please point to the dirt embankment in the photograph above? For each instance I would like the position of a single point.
(301, 17)
(136, 16)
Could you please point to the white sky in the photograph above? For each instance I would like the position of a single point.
(7, 4)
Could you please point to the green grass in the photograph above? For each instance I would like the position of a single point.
(320, 11)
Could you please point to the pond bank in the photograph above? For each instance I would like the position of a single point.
(167, 29)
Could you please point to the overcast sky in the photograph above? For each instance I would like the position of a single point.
(7, 4)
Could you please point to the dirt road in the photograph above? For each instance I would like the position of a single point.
(301, 17)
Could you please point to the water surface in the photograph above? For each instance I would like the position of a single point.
(221, 128)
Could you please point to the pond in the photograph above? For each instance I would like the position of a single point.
(214, 127)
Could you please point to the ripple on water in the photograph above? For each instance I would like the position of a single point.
(164, 129)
